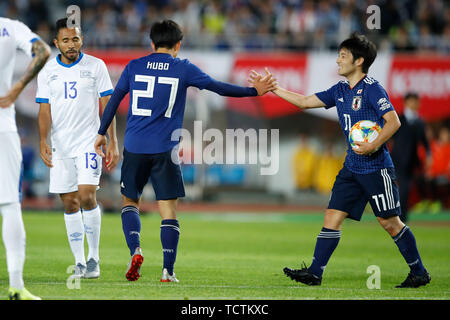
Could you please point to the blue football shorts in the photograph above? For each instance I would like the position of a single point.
(164, 174)
(352, 191)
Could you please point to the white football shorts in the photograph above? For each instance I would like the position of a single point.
(67, 174)
(10, 167)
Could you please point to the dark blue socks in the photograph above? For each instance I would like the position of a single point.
(406, 243)
(131, 224)
(170, 233)
(327, 241)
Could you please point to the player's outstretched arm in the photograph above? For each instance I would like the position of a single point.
(260, 87)
(45, 123)
(391, 125)
(298, 100)
(41, 52)
(112, 150)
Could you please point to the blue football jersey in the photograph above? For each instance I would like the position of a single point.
(367, 100)
(157, 85)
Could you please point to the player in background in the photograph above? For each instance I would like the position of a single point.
(368, 173)
(157, 85)
(69, 87)
(15, 35)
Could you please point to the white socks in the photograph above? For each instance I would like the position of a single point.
(76, 230)
(92, 223)
(75, 234)
(14, 239)
(13, 234)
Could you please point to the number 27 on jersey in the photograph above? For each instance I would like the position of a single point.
(148, 93)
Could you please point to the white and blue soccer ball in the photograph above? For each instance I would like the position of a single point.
(363, 131)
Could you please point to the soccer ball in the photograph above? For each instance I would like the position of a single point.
(363, 131)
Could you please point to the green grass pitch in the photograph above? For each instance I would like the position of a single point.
(234, 256)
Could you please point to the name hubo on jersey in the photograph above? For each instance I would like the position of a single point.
(158, 65)
(72, 90)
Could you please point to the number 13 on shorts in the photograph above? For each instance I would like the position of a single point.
(91, 160)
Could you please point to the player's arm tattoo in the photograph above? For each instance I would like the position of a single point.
(41, 52)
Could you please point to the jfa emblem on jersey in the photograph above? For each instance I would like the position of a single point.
(356, 104)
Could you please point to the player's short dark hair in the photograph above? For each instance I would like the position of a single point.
(411, 95)
(360, 46)
(61, 24)
(165, 34)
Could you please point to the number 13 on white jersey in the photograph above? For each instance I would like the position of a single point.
(148, 93)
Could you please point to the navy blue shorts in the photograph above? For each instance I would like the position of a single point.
(165, 175)
(352, 191)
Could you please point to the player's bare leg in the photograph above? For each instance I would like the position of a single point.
(333, 219)
(167, 208)
(75, 230)
(392, 225)
(131, 224)
(87, 196)
(92, 224)
(130, 202)
(71, 202)
(170, 233)
(327, 242)
(406, 243)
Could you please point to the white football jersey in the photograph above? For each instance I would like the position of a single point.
(13, 35)
(73, 91)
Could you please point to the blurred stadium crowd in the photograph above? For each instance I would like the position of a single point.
(406, 25)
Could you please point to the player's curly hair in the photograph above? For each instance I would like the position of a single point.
(360, 46)
(165, 34)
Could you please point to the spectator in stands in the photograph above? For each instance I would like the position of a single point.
(444, 43)
(328, 21)
(427, 42)
(214, 19)
(36, 12)
(348, 22)
(402, 41)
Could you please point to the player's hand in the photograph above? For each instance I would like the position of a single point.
(99, 143)
(364, 148)
(112, 155)
(46, 154)
(262, 84)
(11, 96)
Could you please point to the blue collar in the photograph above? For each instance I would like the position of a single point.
(58, 59)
